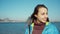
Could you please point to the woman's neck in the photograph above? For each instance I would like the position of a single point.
(38, 21)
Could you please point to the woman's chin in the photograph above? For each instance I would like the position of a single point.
(44, 21)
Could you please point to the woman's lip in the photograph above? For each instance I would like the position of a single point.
(45, 19)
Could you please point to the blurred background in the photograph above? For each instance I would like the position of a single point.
(14, 14)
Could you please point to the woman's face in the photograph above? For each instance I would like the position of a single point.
(42, 14)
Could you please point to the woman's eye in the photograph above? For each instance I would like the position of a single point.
(46, 13)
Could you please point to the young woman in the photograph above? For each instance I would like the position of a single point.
(40, 23)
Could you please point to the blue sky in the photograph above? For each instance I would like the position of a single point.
(22, 9)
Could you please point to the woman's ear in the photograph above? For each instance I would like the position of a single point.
(35, 15)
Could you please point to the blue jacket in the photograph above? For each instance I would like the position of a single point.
(49, 29)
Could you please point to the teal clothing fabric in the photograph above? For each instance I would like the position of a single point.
(49, 29)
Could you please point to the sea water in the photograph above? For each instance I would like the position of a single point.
(17, 27)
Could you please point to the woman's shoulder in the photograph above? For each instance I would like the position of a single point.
(52, 28)
(51, 25)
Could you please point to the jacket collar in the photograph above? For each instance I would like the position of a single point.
(45, 24)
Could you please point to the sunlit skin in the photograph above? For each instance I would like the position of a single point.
(42, 15)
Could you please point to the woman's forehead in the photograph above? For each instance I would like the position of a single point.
(42, 9)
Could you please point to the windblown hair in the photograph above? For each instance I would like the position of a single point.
(36, 11)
